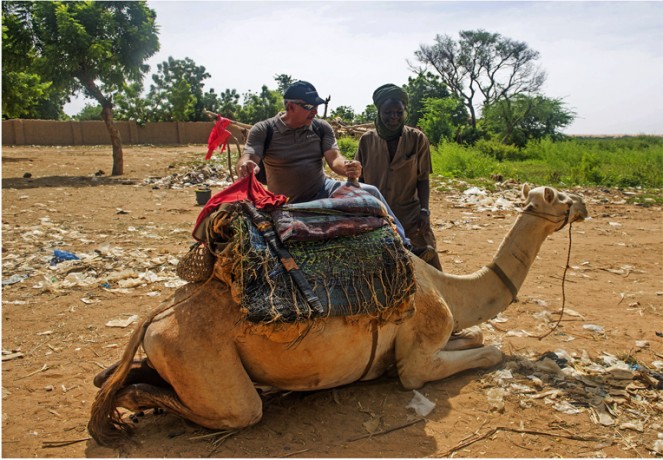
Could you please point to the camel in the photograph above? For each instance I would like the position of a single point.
(203, 362)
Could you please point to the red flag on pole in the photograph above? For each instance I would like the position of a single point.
(219, 136)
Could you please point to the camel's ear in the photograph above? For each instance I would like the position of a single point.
(549, 195)
(525, 190)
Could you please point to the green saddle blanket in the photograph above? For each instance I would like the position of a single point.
(368, 273)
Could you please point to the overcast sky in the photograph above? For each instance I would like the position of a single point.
(604, 59)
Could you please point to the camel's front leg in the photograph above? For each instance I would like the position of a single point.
(423, 353)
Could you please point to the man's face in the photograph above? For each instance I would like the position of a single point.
(302, 115)
(392, 113)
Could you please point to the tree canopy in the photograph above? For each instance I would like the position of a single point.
(94, 47)
(424, 86)
(482, 67)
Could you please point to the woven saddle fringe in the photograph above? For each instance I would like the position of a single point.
(197, 264)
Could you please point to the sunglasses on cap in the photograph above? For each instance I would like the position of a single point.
(304, 105)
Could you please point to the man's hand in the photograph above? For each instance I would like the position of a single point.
(352, 169)
(244, 168)
(424, 219)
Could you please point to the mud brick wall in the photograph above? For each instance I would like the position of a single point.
(52, 132)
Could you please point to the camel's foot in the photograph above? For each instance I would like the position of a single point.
(141, 372)
(472, 337)
(449, 362)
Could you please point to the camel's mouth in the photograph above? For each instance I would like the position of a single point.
(577, 211)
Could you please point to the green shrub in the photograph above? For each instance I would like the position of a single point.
(348, 146)
(499, 151)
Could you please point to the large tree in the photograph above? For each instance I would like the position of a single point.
(482, 68)
(260, 106)
(424, 86)
(96, 47)
(25, 94)
(520, 119)
(177, 90)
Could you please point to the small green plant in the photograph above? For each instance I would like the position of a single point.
(348, 146)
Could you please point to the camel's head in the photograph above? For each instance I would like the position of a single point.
(555, 206)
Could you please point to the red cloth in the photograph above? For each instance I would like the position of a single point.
(242, 189)
(218, 137)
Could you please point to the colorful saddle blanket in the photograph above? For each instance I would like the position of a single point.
(355, 263)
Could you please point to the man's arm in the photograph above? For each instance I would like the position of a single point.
(250, 159)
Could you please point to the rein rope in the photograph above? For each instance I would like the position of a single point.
(566, 268)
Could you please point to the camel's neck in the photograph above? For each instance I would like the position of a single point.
(478, 297)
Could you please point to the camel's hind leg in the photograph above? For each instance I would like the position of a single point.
(423, 352)
(193, 349)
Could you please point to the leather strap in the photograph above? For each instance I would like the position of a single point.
(374, 346)
(505, 279)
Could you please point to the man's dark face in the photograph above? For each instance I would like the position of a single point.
(392, 112)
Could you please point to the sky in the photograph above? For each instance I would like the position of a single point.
(604, 59)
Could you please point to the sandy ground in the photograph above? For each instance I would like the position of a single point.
(595, 397)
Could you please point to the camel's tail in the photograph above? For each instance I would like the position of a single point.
(106, 425)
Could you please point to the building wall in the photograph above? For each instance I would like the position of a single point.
(52, 132)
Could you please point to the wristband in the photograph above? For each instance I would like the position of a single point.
(425, 211)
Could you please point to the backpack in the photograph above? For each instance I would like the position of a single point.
(317, 129)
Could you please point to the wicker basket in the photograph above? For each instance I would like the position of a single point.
(196, 265)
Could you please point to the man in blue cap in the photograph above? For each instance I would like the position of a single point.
(292, 146)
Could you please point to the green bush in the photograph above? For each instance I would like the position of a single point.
(499, 151)
(348, 146)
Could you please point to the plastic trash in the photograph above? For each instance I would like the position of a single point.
(14, 279)
(61, 256)
(421, 405)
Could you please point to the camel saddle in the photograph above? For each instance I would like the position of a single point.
(338, 256)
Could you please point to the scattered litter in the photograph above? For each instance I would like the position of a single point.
(61, 256)
(45, 333)
(641, 343)
(496, 399)
(9, 355)
(13, 279)
(518, 333)
(658, 445)
(566, 408)
(594, 328)
(421, 405)
(635, 425)
(125, 322)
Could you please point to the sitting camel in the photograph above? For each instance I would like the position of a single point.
(203, 361)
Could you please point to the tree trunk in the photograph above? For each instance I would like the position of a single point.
(107, 115)
(116, 140)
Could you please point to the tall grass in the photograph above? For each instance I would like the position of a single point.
(621, 162)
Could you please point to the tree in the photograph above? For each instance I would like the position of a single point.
(89, 112)
(483, 65)
(283, 81)
(423, 86)
(260, 106)
(345, 113)
(520, 119)
(24, 92)
(369, 115)
(177, 91)
(442, 118)
(96, 47)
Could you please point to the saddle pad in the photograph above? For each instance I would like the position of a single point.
(362, 274)
(350, 211)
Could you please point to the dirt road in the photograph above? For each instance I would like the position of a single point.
(62, 321)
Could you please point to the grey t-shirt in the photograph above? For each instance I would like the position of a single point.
(294, 160)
